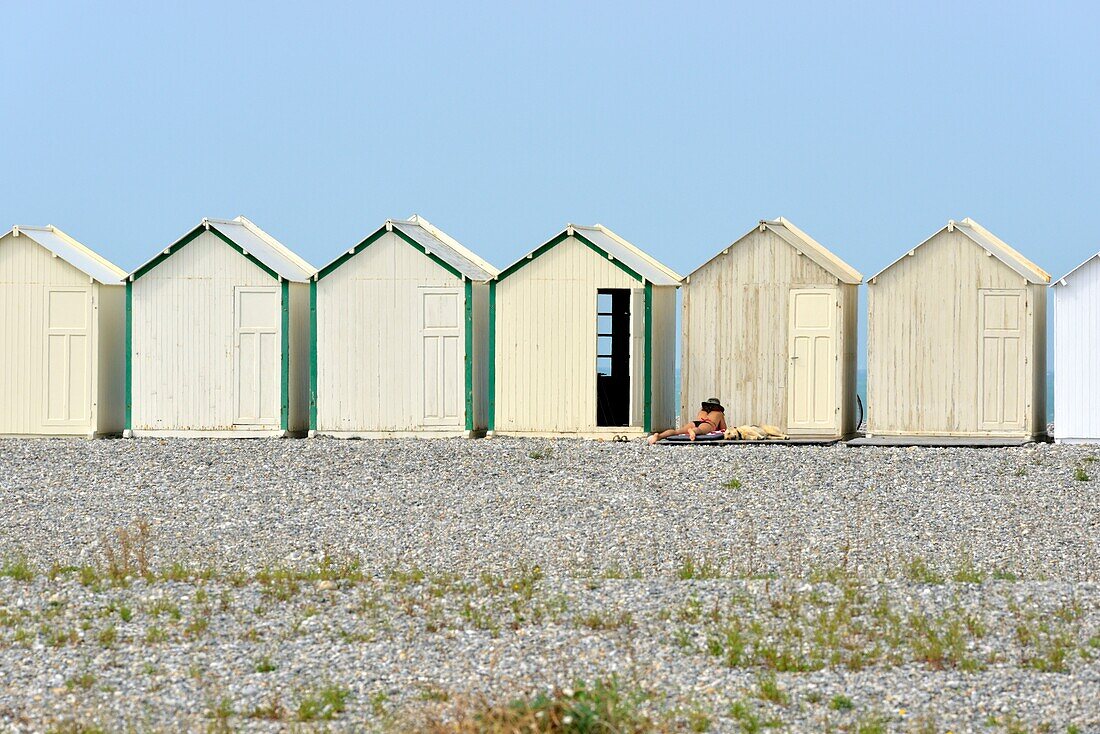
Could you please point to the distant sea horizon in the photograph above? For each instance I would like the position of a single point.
(861, 390)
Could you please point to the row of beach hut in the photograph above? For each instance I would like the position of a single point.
(227, 332)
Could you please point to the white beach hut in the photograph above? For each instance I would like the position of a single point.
(217, 331)
(61, 339)
(400, 325)
(1077, 354)
(582, 339)
(769, 326)
(956, 340)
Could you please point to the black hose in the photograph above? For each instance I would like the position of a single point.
(859, 423)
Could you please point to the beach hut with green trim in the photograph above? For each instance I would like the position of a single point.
(217, 336)
(583, 338)
(401, 336)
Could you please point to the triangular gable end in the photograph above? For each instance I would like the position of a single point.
(987, 241)
(1064, 280)
(577, 232)
(295, 264)
(374, 236)
(75, 254)
(802, 243)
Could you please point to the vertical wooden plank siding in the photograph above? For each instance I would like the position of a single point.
(284, 356)
(492, 357)
(1076, 355)
(183, 337)
(313, 354)
(923, 357)
(666, 400)
(647, 416)
(369, 363)
(27, 272)
(735, 322)
(129, 351)
(468, 352)
(545, 341)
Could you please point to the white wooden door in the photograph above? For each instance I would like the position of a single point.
(811, 374)
(68, 356)
(256, 318)
(441, 340)
(1002, 361)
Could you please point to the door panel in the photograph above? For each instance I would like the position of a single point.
(442, 385)
(812, 345)
(256, 364)
(1002, 370)
(68, 356)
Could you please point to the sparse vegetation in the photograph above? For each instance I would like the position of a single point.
(324, 704)
(732, 483)
(840, 702)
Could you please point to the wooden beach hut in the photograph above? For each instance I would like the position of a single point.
(582, 339)
(956, 340)
(769, 326)
(1077, 354)
(61, 339)
(217, 332)
(400, 325)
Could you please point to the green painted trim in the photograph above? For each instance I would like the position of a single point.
(436, 259)
(542, 250)
(354, 251)
(372, 238)
(129, 352)
(469, 356)
(240, 249)
(189, 237)
(284, 420)
(647, 413)
(173, 249)
(313, 355)
(492, 355)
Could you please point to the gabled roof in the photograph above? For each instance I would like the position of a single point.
(803, 243)
(80, 257)
(417, 231)
(1062, 280)
(992, 244)
(257, 245)
(613, 247)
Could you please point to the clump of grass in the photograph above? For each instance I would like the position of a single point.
(600, 706)
(750, 722)
(83, 681)
(324, 704)
(546, 452)
(605, 620)
(918, 570)
(732, 483)
(871, 723)
(767, 689)
(126, 551)
(265, 665)
(966, 572)
(17, 568)
(841, 702)
(1080, 474)
(273, 710)
(699, 570)
(107, 636)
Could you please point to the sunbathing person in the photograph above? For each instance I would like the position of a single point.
(711, 418)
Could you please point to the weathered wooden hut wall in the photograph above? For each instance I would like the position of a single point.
(924, 339)
(1077, 355)
(182, 338)
(545, 356)
(77, 342)
(736, 328)
(369, 341)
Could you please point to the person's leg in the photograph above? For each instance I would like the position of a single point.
(681, 431)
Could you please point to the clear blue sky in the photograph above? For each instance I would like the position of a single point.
(867, 124)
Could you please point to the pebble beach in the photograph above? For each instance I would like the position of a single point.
(166, 585)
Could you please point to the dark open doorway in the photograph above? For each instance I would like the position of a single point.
(613, 357)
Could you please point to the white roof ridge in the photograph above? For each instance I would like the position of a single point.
(640, 252)
(853, 275)
(454, 244)
(1005, 253)
(1083, 263)
(1011, 251)
(275, 244)
(80, 247)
